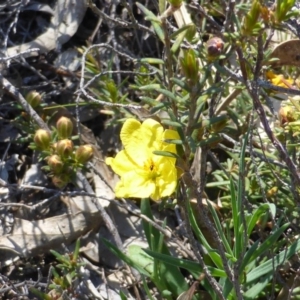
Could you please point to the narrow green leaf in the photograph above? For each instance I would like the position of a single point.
(210, 141)
(269, 243)
(175, 142)
(150, 87)
(170, 277)
(178, 41)
(77, 248)
(154, 21)
(168, 94)
(172, 123)
(166, 154)
(227, 288)
(161, 6)
(213, 120)
(40, 294)
(125, 258)
(239, 232)
(262, 209)
(152, 61)
(248, 256)
(215, 257)
(221, 231)
(122, 295)
(146, 210)
(186, 264)
(180, 30)
(181, 83)
(253, 292)
(270, 265)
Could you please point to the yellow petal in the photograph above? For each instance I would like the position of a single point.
(134, 186)
(138, 139)
(170, 135)
(121, 164)
(167, 182)
(270, 75)
(129, 128)
(279, 80)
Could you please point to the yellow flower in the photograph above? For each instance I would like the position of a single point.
(279, 80)
(144, 174)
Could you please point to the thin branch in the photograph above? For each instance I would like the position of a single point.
(10, 89)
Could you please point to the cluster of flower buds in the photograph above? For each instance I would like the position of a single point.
(63, 159)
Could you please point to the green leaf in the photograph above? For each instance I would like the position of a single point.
(221, 232)
(181, 83)
(165, 153)
(168, 94)
(40, 294)
(178, 41)
(269, 243)
(270, 265)
(258, 212)
(150, 87)
(155, 21)
(138, 255)
(214, 120)
(76, 251)
(152, 61)
(125, 258)
(169, 277)
(227, 288)
(253, 292)
(248, 256)
(214, 256)
(122, 295)
(175, 142)
(191, 266)
(237, 203)
(210, 141)
(161, 6)
(172, 123)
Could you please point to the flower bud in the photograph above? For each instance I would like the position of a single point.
(84, 153)
(250, 25)
(190, 66)
(42, 139)
(64, 147)
(60, 181)
(64, 127)
(55, 163)
(34, 98)
(214, 47)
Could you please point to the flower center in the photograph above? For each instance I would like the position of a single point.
(150, 168)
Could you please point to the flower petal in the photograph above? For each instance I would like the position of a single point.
(170, 135)
(167, 182)
(138, 139)
(121, 164)
(135, 186)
